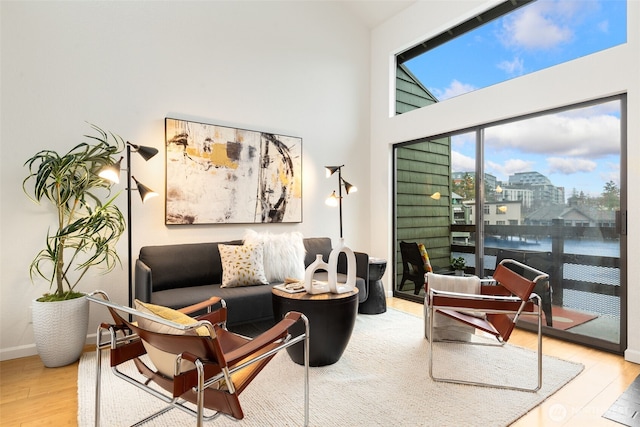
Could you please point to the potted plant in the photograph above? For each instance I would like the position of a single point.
(83, 236)
(458, 265)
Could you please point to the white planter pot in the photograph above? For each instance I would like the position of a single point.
(60, 330)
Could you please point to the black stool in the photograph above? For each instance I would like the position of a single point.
(376, 302)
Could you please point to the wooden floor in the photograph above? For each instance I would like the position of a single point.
(32, 395)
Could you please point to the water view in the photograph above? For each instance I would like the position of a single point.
(609, 248)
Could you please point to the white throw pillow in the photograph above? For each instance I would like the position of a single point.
(242, 265)
(283, 255)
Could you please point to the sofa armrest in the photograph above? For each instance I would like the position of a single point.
(362, 266)
(143, 282)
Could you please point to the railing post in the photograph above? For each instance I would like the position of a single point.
(557, 255)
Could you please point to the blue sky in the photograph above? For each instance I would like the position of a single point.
(577, 149)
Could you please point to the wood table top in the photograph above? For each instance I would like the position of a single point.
(313, 297)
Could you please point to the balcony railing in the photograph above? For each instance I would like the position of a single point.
(592, 274)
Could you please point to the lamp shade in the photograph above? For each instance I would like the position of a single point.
(111, 172)
(144, 151)
(331, 170)
(349, 188)
(436, 195)
(145, 192)
(332, 200)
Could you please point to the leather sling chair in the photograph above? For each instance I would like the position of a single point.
(194, 360)
(542, 261)
(494, 311)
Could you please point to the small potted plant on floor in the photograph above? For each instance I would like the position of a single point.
(458, 265)
(83, 235)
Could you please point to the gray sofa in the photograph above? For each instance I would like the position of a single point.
(179, 275)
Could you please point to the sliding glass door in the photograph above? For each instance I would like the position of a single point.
(546, 189)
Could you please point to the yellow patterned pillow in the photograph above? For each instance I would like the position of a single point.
(163, 361)
(242, 265)
(425, 258)
(168, 314)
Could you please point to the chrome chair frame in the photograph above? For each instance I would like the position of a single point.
(117, 337)
(483, 304)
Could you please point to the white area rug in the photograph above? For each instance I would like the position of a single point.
(381, 380)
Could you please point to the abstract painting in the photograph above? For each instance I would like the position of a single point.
(222, 175)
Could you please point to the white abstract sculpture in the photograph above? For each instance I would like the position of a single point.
(332, 284)
(337, 287)
(315, 286)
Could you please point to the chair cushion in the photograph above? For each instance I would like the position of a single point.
(425, 258)
(446, 328)
(163, 361)
(167, 314)
(242, 265)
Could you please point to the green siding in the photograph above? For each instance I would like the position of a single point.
(423, 168)
(410, 93)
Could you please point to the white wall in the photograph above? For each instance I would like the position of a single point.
(610, 72)
(296, 68)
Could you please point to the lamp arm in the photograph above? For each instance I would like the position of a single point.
(340, 197)
(129, 249)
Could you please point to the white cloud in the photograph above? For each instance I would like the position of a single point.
(568, 165)
(610, 176)
(545, 24)
(509, 167)
(612, 173)
(585, 133)
(515, 67)
(462, 163)
(603, 26)
(455, 88)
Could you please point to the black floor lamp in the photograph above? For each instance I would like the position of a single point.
(112, 173)
(334, 200)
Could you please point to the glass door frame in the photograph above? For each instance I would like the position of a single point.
(479, 227)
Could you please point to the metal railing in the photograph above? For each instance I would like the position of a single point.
(599, 274)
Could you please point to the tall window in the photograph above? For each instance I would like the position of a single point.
(510, 40)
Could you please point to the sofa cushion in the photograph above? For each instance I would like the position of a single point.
(242, 265)
(244, 304)
(183, 265)
(283, 254)
(316, 245)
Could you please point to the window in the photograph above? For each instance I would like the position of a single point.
(550, 183)
(512, 39)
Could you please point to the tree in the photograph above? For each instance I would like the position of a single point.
(466, 187)
(611, 196)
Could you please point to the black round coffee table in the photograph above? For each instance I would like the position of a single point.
(331, 321)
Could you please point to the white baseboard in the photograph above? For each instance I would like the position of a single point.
(18, 352)
(31, 350)
(632, 356)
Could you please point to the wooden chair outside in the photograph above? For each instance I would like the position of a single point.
(412, 266)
